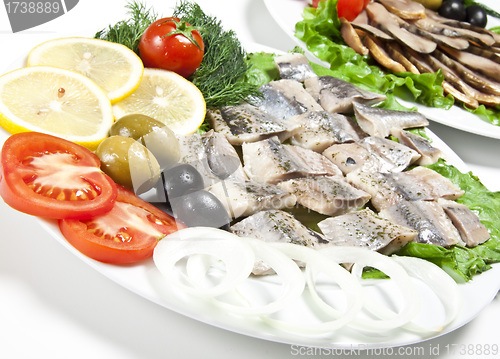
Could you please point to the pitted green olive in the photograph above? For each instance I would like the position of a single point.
(128, 163)
(153, 134)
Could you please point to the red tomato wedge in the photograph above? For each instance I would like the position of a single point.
(127, 234)
(48, 176)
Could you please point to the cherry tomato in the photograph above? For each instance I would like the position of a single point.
(127, 234)
(48, 176)
(171, 44)
(350, 9)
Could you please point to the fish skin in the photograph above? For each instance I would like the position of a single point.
(270, 161)
(248, 197)
(337, 96)
(284, 99)
(326, 195)
(379, 122)
(428, 153)
(418, 184)
(364, 228)
(275, 226)
(428, 218)
(294, 66)
(321, 129)
(247, 123)
(471, 230)
(205, 151)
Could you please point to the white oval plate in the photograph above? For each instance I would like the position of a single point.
(146, 281)
(288, 12)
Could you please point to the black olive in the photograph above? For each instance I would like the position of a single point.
(475, 15)
(181, 179)
(200, 208)
(453, 9)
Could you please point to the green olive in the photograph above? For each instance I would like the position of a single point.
(153, 134)
(431, 4)
(128, 163)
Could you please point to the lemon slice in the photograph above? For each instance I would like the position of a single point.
(59, 102)
(168, 98)
(114, 67)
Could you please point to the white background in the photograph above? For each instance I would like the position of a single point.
(53, 305)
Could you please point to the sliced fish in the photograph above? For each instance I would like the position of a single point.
(247, 123)
(366, 229)
(326, 195)
(438, 185)
(212, 155)
(337, 96)
(284, 99)
(471, 230)
(394, 156)
(245, 198)
(294, 66)
(321, 129)
(349, 157)
(428, 218)
(379, 122)
(275, 226)
(271, 162)
(428, 153)
(418, 184)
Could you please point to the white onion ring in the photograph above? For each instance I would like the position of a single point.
(440, 282)
(364, 258)
(285, 267)
(316, 262)
(204, 246)
(237, 256)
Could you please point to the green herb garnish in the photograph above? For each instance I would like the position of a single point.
(128, 32)
(220, 76)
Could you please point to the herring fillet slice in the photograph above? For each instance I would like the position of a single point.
(271, 162)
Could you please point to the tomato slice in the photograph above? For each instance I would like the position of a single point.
(48, 176)
(126, 234)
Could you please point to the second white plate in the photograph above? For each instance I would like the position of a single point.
(288, 12)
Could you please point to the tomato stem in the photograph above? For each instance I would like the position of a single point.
(183, 28)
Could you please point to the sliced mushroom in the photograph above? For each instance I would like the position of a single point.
(352, 38)
(396, 53)
(385, 21)
(380, 55)
(474, 79)
(481, 64)
(405, 9)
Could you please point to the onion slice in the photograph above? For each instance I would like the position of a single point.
(315, 262)
(285, 268)
(237, 256)
(366, 258)
(440, 282)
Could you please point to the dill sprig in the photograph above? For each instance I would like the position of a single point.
(128, 32)
(220, 76)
